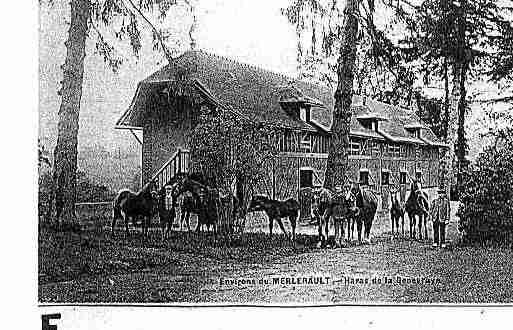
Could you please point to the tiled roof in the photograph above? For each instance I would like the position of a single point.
(257, 93)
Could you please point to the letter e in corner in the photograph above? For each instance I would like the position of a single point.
(45, 321)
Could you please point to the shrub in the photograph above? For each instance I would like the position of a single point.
(486, 210)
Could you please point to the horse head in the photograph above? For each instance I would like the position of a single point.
(149, 191)
(354, 198)
(257, 203)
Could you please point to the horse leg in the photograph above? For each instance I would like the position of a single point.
(319, 230)
(351, 229)
(182, 218)
(337, 231)
(368, 226)
(126, 225)
(392, 223)
(200, 222)
(359, 230)
(188, 221)
(412, 225)
(402, 225)
(293, 219)
(271, 227)
(420, 227)
(425, 228)
(113, 225)
(342, 234)
(280, 223)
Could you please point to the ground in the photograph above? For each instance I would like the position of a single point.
(196, 268)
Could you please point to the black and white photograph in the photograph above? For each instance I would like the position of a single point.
(274, 153)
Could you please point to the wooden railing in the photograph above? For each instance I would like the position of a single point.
(178, 163)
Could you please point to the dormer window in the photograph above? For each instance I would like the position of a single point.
(414, 130)
(371, 120)
(304, 113)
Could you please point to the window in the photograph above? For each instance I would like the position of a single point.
(403, 151)
(306, 143)
(394, 150)
(402, 177)
(418, 175)
(385, 177)
(305, 178)
(376, 148)
(355, 148)
(364, 177)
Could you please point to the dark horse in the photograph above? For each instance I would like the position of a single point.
(417, 205)
(366, 206)
(326, 204)
(276, 210)
(396, 213)
(201, 200)
(129, 205)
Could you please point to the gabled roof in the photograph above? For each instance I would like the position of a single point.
(258, 94)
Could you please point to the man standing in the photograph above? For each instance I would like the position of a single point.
(440, 214)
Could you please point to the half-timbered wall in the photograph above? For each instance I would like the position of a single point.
(302, 141)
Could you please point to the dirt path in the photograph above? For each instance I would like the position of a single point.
(357, 274)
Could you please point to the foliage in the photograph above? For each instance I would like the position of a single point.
(87, 190)
(431, 111)
(486, 211)
(319, 29)
(121, 21)
(122, 18)
(227, 148)
(43, 157)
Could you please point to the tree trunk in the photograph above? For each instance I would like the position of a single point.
(461, 141)
(445, 115)
(447, 159)
(65, 153)
(338, 158)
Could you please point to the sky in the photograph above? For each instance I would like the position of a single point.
(250, 31)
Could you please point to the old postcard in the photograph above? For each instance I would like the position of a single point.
(274, 153)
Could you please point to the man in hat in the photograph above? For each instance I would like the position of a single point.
(440, 214)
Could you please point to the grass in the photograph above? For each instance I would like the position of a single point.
(79, 267)
(65, 256)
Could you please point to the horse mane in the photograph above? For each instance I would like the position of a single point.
(359, 198)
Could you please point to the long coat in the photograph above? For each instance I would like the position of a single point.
(441, 210)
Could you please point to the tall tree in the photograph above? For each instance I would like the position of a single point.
(343, 34)
(460, 37)
(122, 16)
(338, 150)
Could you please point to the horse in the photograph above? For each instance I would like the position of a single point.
(204, 201)
(167, 209)
(417, 205)
(187, 206)
(366, 205)
(276, 210)
(326, 204)
(129, 205)
(396, 212)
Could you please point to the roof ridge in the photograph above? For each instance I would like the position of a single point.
(249, 65)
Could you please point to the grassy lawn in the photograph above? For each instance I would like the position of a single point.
(94, 267)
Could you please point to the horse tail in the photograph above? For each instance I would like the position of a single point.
(116, 204)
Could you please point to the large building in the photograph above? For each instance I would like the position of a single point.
(389, 144)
